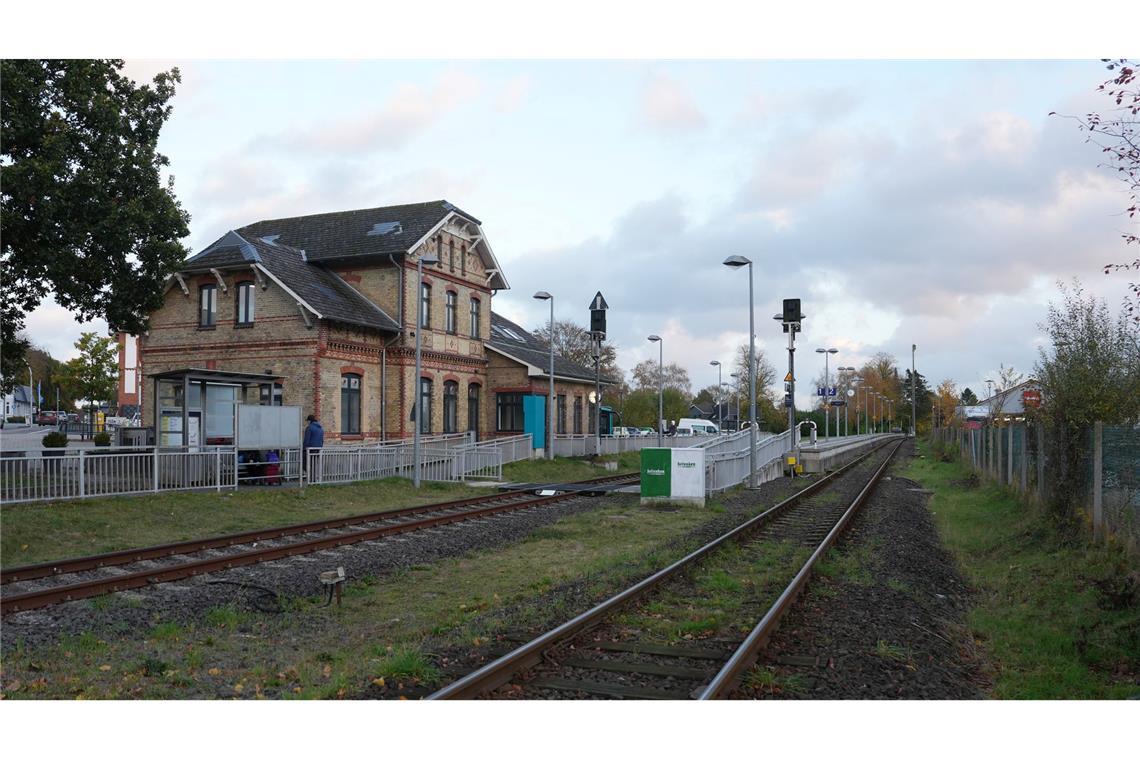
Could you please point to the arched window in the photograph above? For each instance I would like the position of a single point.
(451, 254)
(450, 406)
(463, 260)
(474, 317)
(424, 412)
(439, 251)
(350, 404)
(244, 303)
(425, 305)
(449, 313)
(561, 422)
(577, 415)
(473, 408)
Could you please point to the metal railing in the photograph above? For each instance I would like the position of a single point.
(584, 446)
(343, 465)
(723, 470)
(42, 475)
(512, 449)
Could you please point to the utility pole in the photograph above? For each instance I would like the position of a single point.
(913, 398)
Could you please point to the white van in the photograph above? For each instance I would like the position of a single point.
(696, 427)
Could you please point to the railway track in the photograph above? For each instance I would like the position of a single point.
(612, 650)
(33, 586)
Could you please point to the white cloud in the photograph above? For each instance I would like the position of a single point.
(665, 105)
(513, 94)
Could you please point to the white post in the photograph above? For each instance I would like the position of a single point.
(218, 469)
(82, 485)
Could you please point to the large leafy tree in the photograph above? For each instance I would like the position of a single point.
(969, 398)
(86, 214)
(92, 375)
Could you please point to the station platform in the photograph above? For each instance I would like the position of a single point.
(834, 453)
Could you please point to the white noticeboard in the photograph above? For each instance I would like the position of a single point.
(688, 476)
(268, 427)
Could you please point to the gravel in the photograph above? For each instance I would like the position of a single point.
(898, 633)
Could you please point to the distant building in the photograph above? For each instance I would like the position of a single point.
(18, 403)
(1004, 405)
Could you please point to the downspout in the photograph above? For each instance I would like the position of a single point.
(399, 334)
(384, 386)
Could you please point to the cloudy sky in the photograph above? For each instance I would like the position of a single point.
(904, 202)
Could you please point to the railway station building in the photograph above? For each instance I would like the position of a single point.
(325, 306)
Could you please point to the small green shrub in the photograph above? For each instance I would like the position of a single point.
(55, 440)
(102, 438)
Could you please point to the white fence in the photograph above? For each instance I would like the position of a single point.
(450, 459)
(51, 475)
(726, 469)
(584, 445)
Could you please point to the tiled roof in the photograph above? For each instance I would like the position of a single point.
(364, 232)
(322, 290)
(511, 339)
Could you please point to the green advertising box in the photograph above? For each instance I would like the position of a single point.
(673, 475)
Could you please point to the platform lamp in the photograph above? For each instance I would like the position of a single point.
(719, 383)
(826, 385)
(660, 385)
(417, 405)
(542, 295)
(736, 262)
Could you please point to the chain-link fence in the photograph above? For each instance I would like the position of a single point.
(1098, 471)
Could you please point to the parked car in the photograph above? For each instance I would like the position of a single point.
(624, 432)
(46, 418)
(648, 431)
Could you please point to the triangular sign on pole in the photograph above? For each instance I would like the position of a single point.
(599, 303)
(788, 378)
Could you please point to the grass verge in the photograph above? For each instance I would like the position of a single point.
(1046, 609)
(54, 530)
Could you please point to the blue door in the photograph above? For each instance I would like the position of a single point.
(534, 419)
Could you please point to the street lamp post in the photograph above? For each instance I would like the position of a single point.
(719, 382)
(913, 401)
(739, 261)
(417, 404)
(660, 386)
(844, 370)
(736, 376)
(542, 295)
(826, 387)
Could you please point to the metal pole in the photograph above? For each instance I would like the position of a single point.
(826, 400)
(913, 399)
(660, 389)
(550, 434)
(597, 396)
(792, 384)
(417, 389)
(752, 382)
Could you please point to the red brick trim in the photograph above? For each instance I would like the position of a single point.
(513, 389)
(427, 375)
(317, 387)
(452, 377)
(449, 288)
(350, 370)
(211, 364)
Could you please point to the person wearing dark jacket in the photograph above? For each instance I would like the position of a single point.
(314, 439)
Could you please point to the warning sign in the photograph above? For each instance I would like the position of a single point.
(788, 378)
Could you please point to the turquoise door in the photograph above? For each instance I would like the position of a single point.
(534, 419)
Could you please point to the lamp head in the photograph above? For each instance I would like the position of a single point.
(736, 261)
(654, 338)
(542, 295)
(429, 259)
(714, 363)
(833, 350)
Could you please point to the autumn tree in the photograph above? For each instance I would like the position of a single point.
(641, 407)
(646, 376)
(765, 372)
(87, 215)
(573, 342)
(945, 402)
(1116, 133)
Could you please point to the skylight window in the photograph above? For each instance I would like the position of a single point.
(386, 228)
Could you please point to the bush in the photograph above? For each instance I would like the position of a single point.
(55, 440)
(17, 418)
(102, 439)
